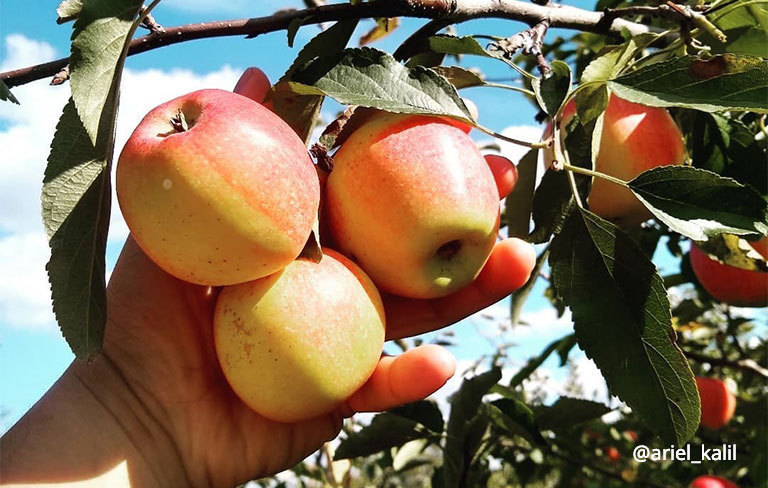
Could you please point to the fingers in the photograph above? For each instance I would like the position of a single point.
(253, 84)
(504, 172)
(415, 374)
(506, 270)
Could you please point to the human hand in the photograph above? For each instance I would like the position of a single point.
(158, 390)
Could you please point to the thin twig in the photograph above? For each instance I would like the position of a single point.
(150, 23)
(529, 41)
(595, 174)
(447, 11)
(742, 364)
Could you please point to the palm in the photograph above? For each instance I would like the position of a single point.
(160, 338)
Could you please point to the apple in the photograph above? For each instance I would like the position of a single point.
(709, 481)
(413, 202)
(228, 198)
(296, 344)
(717, 402)
(729, 284)
(254, 84)
(504, 172)
(635, 138)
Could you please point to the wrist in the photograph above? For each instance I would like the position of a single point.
(91, 429)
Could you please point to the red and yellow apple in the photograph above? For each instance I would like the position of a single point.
(504, 172)
(635, 138)
(717, 402)
(225, 196)
(413, 202)
(709, 481)
(729, 284)
(296, 344)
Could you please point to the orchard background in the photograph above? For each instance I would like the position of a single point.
(516, 423)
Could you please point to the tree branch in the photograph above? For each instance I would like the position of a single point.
(445, 12)
(743, 364)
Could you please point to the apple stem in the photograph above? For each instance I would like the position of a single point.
(510, 87)
(575, 190)
(179, 122)
(531, 145)
(597, 174)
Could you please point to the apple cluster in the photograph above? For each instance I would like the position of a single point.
(219, 191)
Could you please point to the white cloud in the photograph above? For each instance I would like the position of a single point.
(24, 292)
(25, 138)
(527, 133)
(23, 51)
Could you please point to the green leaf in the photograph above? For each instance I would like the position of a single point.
(301, 111)
(99, 45)
(551, 89)
(722, 82)
(76, 201)
(445, 44)
(592, 98)
(460, 77)
(564, 349)
(518, 205)
(425, 412)
(68, 10)
(553, 200)
(615, 58)
(698, 203)
(745, 24)
(602, 68)
(591, 102)
(372, 78)
(515, 417)
(76, 187)
(293, 29)
(464, 407)
(552, 203)
(476, 432)
(726, 146)
(567, 412)
(623, 322)
(385, 431)
(6, 95)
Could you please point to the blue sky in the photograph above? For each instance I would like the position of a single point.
(32, 352)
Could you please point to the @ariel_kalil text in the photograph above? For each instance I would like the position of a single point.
(694, 454)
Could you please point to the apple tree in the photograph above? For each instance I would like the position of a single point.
(703, 65)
